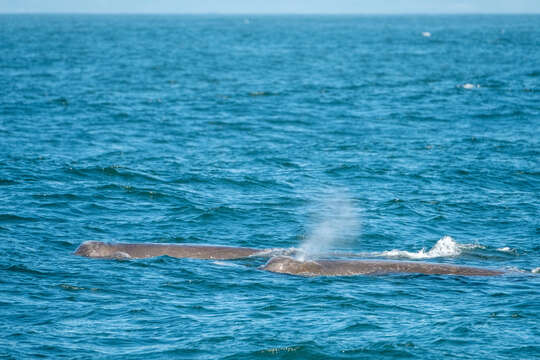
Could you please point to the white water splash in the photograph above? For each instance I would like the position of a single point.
(469, 86)
(536, 270)
(336, 223)
(507, 249)
(224, 263)
(515, 269)
(445, 247)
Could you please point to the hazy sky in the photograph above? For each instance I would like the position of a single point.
(271, 6)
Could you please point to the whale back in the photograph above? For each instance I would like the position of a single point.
(98, 249)
(288, 265)
(95, 249)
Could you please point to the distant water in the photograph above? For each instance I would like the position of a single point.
(244, 131)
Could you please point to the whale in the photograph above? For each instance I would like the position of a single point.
(103, 250)
(291, 266)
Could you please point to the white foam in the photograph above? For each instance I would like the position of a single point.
(469, 86)
(445, 247)
(224, 263)
(275, 252)
(536, 271)
(514, 269)
(426, 34)
(505, 249)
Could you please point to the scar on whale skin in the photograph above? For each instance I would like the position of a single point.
(288, 265)
(98, 249)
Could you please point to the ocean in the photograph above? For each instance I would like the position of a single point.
(381, 137)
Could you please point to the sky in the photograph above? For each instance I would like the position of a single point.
(271, 6)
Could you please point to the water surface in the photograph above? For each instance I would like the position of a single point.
(243, 131)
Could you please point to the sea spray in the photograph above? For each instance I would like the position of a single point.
(336, 222)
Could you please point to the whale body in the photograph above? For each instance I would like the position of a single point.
(277, 264)
(98, 249)
(288, 265)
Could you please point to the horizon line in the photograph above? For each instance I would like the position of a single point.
(263, 14)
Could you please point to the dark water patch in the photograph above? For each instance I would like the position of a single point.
(362, 327)
(113, 171)
(58, 205)
(96, 207)
(262, 93)
(24, 270)
(56, 196)
(344, 169)
(60, 101)
(221, 212)
(6, 182)
(11, 218)
(68, 287)
(148, 193)
(283, 163)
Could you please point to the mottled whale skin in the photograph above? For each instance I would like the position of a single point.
(288, 265)
(98, 249)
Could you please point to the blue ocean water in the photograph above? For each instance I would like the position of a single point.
(243, 131)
